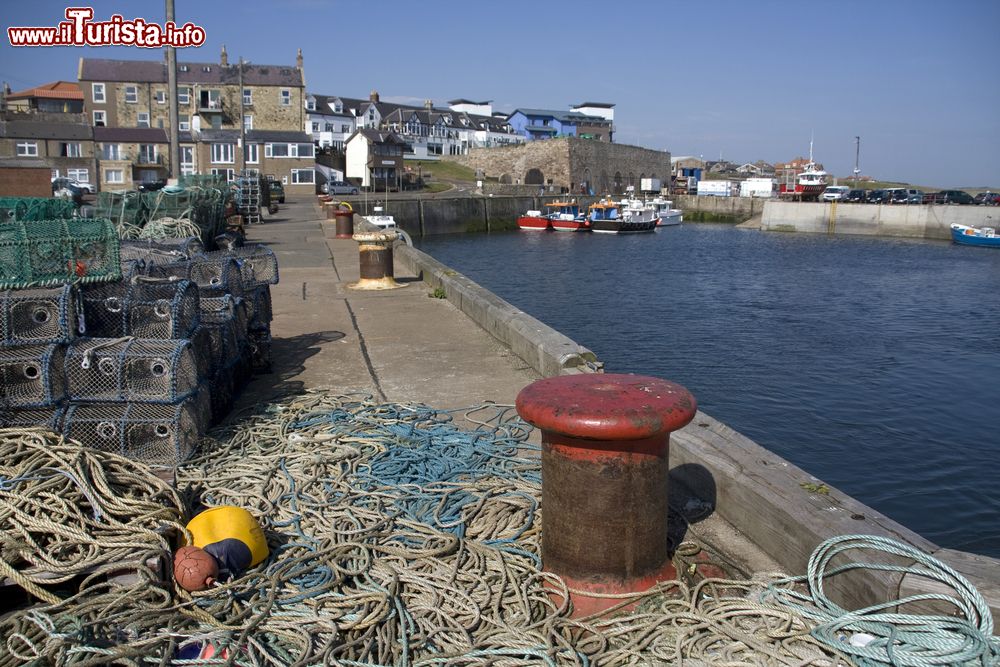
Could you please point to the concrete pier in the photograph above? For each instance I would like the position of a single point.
(471, 346)
(901, 220)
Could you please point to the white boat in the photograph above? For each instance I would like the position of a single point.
(665, 212)
(381, 220)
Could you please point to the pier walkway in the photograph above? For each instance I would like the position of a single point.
(399, 345)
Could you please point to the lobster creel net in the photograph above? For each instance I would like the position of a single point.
(154, 434)
(31, 376)
(53, 252)
(144, 308)
(37, 316)
(130, 369)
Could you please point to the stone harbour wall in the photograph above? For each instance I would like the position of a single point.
(570, 163)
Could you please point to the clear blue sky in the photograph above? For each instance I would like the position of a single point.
(919, 81)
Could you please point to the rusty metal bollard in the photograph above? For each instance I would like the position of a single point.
(376, 260)
(605, 460)
(345, 223)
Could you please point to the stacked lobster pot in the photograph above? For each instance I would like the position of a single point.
(259, 270)
(43, 264)
(135, 381)
(136, 346)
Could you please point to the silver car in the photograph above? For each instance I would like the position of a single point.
(339, 188)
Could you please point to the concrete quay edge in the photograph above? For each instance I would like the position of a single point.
(758, 493)
(545, 349)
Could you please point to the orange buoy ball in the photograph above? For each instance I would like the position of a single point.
(194, 569)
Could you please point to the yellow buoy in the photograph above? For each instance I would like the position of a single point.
(228, 522)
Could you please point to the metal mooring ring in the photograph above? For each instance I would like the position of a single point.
(31, 371)
(113, 304)
(161, 431)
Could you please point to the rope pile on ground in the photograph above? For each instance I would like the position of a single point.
(396, 538)
(67, 511)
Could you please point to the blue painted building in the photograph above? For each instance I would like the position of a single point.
(535, 124)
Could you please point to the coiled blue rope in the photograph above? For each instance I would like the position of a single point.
(883, 637)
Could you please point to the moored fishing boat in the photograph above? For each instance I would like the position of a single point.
(610, 217)
(665, 212)
(981, 236)
(567, 217)
(534, 221)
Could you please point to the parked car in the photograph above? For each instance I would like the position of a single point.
(152, 186)
(876, 197)
(66, 188)
(87, 188)
(904, 196)
(955, 197)
(933, 198)
(341, 188)
(277, 191)
(988, 198)
(856, 196)
(835, 193)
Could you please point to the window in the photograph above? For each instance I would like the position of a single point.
(253, 153)
(289, 150)
(345, 128)
(70, 150)
(82, 175)
(311, 104)
(111, 152)
(97, 90)
(285, 97)
(100, 118)
(55, 173)
(210, 100)
(183, 95)
(161, 97)
(315, 126)
(184, 122)
(228, 173)
(142, 120)
(247, 122)
(147, 154)
(27, 149)
(303, 176)
(247, 96)
(159, 123)
(131, 94)
(187, 159)
(338, 107)
(222, 153)
(114, 176)
(328, 127)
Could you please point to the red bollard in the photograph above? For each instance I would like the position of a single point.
(605, 460)
(344, 223)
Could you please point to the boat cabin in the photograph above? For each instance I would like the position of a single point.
(604, 210)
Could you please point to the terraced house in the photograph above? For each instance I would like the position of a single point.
(230, 117)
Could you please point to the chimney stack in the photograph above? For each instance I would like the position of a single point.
(373, 96)
(298, 59)
(428, 104)
(224, 58)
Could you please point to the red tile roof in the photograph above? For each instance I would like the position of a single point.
(57, 90)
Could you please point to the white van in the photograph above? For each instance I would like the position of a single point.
(835, 193)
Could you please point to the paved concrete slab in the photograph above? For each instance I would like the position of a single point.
(400, 345)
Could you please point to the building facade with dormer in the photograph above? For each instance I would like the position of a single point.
(230, 117)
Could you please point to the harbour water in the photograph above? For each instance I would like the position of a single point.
(874, 364)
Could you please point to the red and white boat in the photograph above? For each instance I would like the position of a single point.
(534, 221)
(567, 217)
(562, 216)
(809, 184)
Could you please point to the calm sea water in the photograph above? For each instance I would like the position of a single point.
(873, 364)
